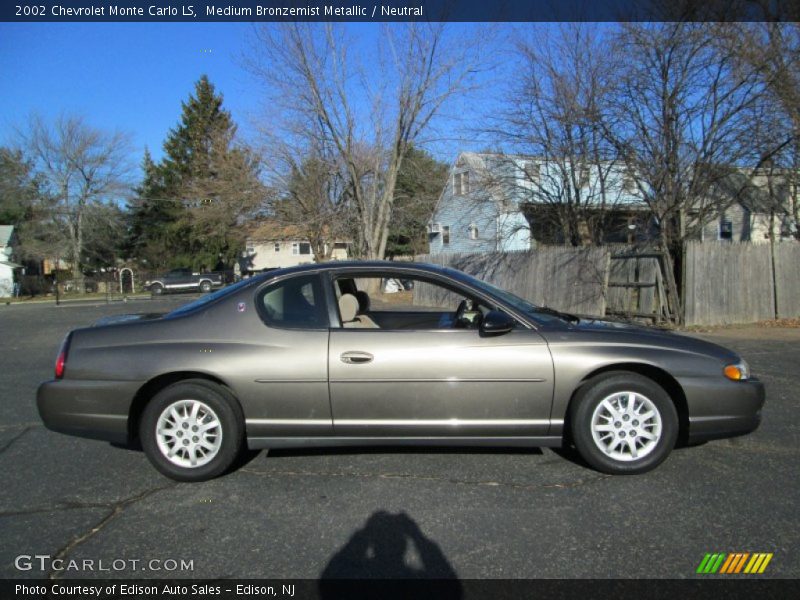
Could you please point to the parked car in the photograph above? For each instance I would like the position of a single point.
(319, 355)
(184, 280)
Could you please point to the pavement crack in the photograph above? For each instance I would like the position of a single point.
(9, 443)
(465, 482)
(114, 510)
(62, 506)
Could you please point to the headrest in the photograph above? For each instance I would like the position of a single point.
(348, 307)
(363, 301)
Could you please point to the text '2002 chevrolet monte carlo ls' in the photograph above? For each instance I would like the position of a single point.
(377, 353)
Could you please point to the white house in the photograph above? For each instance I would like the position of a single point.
(474, 213)
(497, 202)
(7, 267)
(763, 208)
(271, 245)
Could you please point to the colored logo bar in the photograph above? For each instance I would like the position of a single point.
(734, 563)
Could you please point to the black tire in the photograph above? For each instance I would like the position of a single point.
(605, 386)
(156, 289)
(224, 407)
(205, 286)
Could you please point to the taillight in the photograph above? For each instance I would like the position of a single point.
(61, 359)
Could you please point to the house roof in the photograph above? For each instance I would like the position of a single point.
(740, 187)
(275, 231)
(6, 231)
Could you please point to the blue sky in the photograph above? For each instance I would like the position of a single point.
(124, 76)
(133, 76)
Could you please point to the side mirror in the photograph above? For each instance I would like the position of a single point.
(496, 322)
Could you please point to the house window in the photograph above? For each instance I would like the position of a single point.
(628, 182)
(473, 232)
(583, 175)
(461, 184)
(251, 250)
(725, 229)
(277, 246)
(532, 171)
(446, 235)
(301, 248)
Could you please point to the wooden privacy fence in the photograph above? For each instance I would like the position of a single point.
(566, 278)
(723, 282)
(741, 282)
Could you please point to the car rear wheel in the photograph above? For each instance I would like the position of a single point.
(623, 423)
(205, 286)
(157, 289)
(192, 430)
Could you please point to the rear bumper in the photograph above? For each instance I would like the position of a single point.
(92, 409)
(721, 409)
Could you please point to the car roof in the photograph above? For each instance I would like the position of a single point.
(378, 265)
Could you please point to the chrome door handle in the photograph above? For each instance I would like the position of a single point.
(356, 358)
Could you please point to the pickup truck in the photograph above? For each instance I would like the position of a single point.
(184, 280)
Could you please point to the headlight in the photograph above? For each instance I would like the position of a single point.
(739, 371)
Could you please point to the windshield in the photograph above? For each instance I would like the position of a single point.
(209, 298)
(539, 313)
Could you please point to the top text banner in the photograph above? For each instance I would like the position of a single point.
(400, 10)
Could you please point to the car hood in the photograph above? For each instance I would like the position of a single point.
(599, 330)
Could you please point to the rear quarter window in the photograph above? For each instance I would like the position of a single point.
(294, 303)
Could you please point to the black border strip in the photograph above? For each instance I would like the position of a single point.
(398, 10)
(732, 587)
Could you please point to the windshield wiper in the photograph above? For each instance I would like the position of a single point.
(570, 318)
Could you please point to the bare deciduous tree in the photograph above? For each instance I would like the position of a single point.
(78, 166)
(772, 49)
(368, 115)
(560, 164)
(681, 117)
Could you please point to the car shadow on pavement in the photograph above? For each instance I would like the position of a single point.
(389, 546)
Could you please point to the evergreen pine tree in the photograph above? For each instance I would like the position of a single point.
(192, 203)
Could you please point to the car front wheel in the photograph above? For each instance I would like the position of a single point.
(623, 423)
(157, 289)
(205, 287)
(192, 430)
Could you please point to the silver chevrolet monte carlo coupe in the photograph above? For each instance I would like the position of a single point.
(380, 353)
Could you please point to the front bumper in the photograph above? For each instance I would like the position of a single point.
(92, 409)
(722, 408)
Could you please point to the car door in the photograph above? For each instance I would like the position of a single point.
(177, 279)
(283, 384)
(439, 382)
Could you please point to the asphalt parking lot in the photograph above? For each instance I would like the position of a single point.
(465, 513)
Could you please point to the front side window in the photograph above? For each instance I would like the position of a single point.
(294, 303)
(397, 301)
